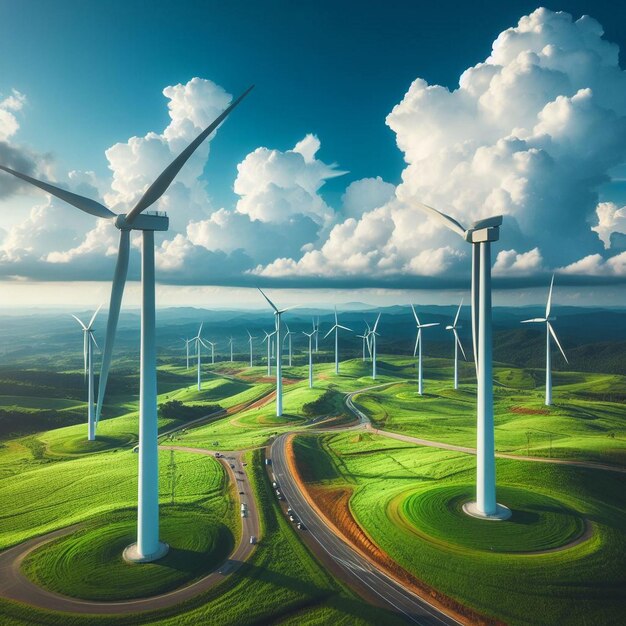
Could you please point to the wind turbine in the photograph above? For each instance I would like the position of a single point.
(88, 343)
(250, 338)
(457, 344)
(549, 331)
(279, 369)
(148, 547)
(418, 347)
(480, 234)
(198, 341)
(212, 344)
(310, 336)
(336, 328)
(187, 342)
(268, 338)
(373, 334)
(230, 343)
(365, 338)
(288, 335)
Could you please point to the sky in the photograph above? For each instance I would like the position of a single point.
(359, 110)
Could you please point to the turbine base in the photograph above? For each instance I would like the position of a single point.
(502, 512)
(131, 553)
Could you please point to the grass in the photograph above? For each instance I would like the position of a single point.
(88, 563)
(406, 500)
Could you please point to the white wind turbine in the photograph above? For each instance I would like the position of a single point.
(288, 335)
(457, 344)
(88, 342)
(198, 342)
(316, 330)
(335, 329)
(310, 336)
(212, 344)
(365, 338)
(480, 235)
(187, 342)
(268, 338)
(418, 348)
(230, 343)
(279, 369)
(549, 331)
(250, 339)
(148, 547)
(373, 334)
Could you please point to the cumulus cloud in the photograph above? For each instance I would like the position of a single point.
(366, 194)
(530, 133)
(597, 265)
(611, 219)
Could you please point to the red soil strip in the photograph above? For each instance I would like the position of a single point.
(524, 411)
(334, 506)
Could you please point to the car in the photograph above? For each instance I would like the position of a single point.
(232, 466)
(292, 518)
(244, 514)
(300, 526)
(289, 510)
(253, 539)
(241, 493)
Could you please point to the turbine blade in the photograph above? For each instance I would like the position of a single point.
(330, 331)
(428, 325)
(80, 202)
(557, 341)
(85, 349)
(115, 303)
(458, 311)
(444, 219)
(95, 343)
(81, 324)
(160, 185)
(376, 323)
(456, 336)
(93, 317)
(533, 320)
(344, 327)
(336, 320)
(270, 302)
(289, 308)
(549, 303)
(475, 303)
(415, 315)
(417, 342)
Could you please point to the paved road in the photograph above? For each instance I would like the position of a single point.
(15, 586)
(354, 566)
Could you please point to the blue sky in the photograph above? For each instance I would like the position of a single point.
(93, 75)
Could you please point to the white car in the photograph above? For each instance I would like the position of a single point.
(252, 539)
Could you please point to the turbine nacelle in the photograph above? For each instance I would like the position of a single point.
(149, 220)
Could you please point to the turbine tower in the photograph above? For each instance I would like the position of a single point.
(373, 334)
(212, 344)
(316, 330)
(480, 235)
(230, 343)
(457, 344)
(418, 346)
(279, 366)
(148, 546)
(310, 336)
(268, 338)
(88, 343)
(549, 331)
(288, 335)
(336, 328)
(365, 338)
(250, 338)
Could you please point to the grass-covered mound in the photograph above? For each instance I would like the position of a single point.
(538, 523)
(88, 563)
(76, 444)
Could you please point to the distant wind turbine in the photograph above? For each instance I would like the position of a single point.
(268, 338)
(250, 339)
(372, 335)
(310, 336)
(148, 547)
(418, 347)
(88, 342)
(212, 344)
(549, 331)
(481, 234)
(365, 338)
(198, 341)
(288, 336)
(335, 329)
(279, 366)
(457, 344)
(187, 342)
(230, 343)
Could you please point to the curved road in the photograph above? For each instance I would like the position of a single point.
(15, 586)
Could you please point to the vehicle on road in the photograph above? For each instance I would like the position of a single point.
(253, 539)
(301, 526)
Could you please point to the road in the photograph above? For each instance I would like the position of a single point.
(355, 567)
(15, 586)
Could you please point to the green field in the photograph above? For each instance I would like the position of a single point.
(406, 499)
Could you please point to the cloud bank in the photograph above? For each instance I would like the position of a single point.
(532, 133)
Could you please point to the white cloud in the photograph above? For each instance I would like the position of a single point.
(597, 265)
(611, 219)
(513, 263)
(366, 194)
